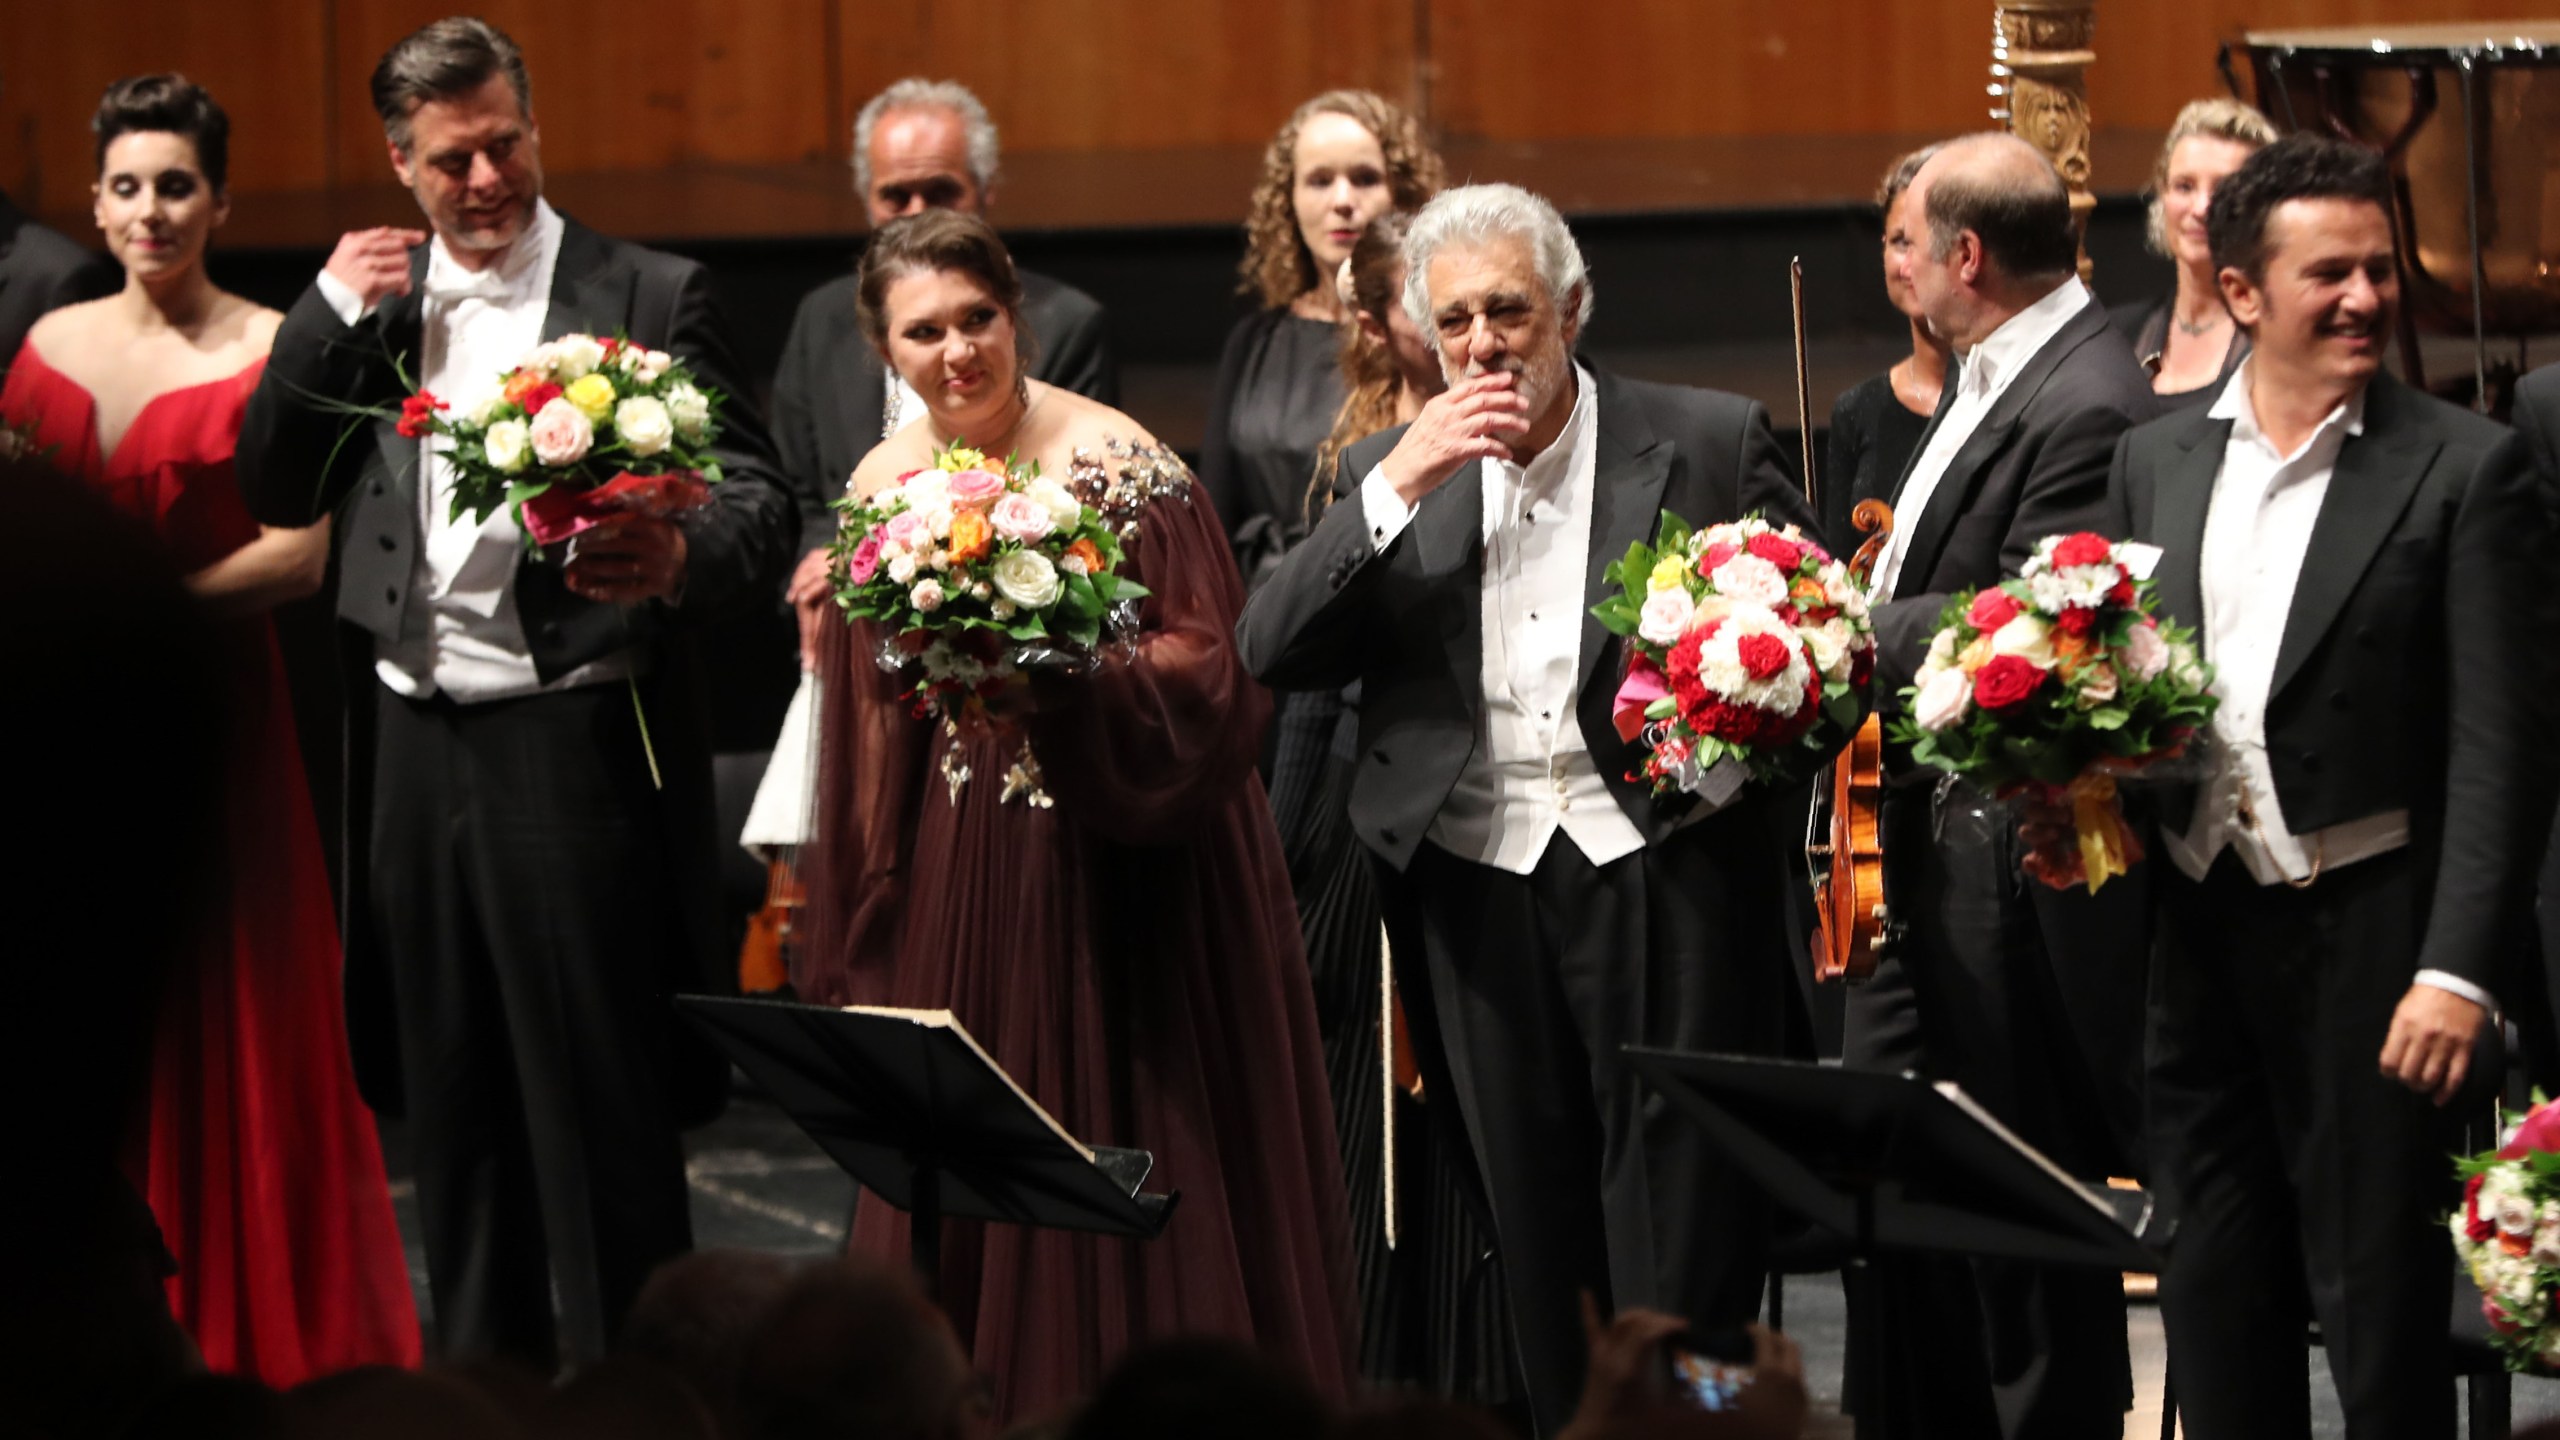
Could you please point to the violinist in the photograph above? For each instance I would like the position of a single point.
(2017, 998)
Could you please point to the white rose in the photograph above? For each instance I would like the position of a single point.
(1002, 610)
(2026, 637)
(507, 444)
(926, 489)
(2546, 1244)
(646, 366)
(575, 355)
(1942, 650)
(483, 412)
(2514, 1215)
(644, 425)
(691, 411)
(1829, 642)
(2183, 665)
(902, 568)
(927, 596)
(1666, 616)
(1061, 503)
(1027, 579)
(1945, 697)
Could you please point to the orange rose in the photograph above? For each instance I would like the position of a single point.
(521, 384)
(971, 536)
(2072, 651)
(1807, 591)
(1085, 550)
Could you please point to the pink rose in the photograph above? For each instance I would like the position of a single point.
(907, 530)
(562, 434)
(976, 489)
(1019, 517)
(1992, 609)
(865, 560)
(2145, 653)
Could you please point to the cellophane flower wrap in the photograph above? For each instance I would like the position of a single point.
(578, 430)
(1745, 643)
(971, 565)
(2051, 688)
(2506, 1232)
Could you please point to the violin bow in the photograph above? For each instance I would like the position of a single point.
(1804, 383)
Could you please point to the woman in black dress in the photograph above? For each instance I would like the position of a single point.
(1876, 423)
(2186, 339)
(1344, 158)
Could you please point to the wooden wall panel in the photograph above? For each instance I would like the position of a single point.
(656, 83)
(1529, 69)
(265, 60)
(644, 85)
(1129, 74)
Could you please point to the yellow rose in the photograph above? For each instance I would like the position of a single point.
(959, 458)
(1667, 573)
(591, 393)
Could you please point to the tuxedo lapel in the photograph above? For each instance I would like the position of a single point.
(590, 289)
(2377, 474)
(1447, 538)
(1965, 474)
(2179, 506)
(1630, 469)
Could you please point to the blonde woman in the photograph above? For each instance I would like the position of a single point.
(2186, 339)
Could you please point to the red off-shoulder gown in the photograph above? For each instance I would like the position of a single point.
(1131, 957)
(259, 1160)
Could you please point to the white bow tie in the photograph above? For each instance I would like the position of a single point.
(453, 284)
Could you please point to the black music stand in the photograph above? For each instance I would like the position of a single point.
(909, 1105)
(1894, 1162)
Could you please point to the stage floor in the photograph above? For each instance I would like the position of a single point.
(759, 1184)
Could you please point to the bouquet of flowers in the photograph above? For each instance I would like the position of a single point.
(1742, 639)
(2052, 687)
(578, 430)
(976, 567)
(2507, 1234)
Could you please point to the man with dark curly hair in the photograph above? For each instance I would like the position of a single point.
(2344, 893)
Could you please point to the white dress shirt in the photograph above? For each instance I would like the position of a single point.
(2257, 530)
(1530, 774)
(1985, 375)
(461, 634)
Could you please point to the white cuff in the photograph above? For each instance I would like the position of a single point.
(1384, 509)
(2456, 985)
(350, 307)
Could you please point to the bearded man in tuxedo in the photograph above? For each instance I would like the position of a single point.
(523, 898)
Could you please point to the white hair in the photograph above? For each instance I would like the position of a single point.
(1473, 215)
(918, 93)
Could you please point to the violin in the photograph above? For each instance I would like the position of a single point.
(1853, 929)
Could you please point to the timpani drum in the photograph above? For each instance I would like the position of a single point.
(2469, 116)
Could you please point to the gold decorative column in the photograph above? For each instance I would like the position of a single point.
(2040, 55)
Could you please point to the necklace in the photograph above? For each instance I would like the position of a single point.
(995, 446)
(2206, 326)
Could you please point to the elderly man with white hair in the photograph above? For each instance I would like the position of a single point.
(1544, 907)
(918, 145)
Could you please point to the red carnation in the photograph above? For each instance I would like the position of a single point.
(1778, 550)
(1716, 555)
(539, 396)
(417, 414)
(2121, 593)
(1862, 667)
(2083, 549)
(2076, 621)
(2004, 681)
(1762, 654)
(1992, 609)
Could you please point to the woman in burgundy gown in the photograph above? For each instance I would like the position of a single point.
(1129, 954)
(258, 1159)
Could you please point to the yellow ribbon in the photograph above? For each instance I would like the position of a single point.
(2107, 844)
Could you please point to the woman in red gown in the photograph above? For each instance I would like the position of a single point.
(1128, 953)
(258, 1159)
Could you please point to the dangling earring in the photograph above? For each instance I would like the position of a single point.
(1021, 394)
